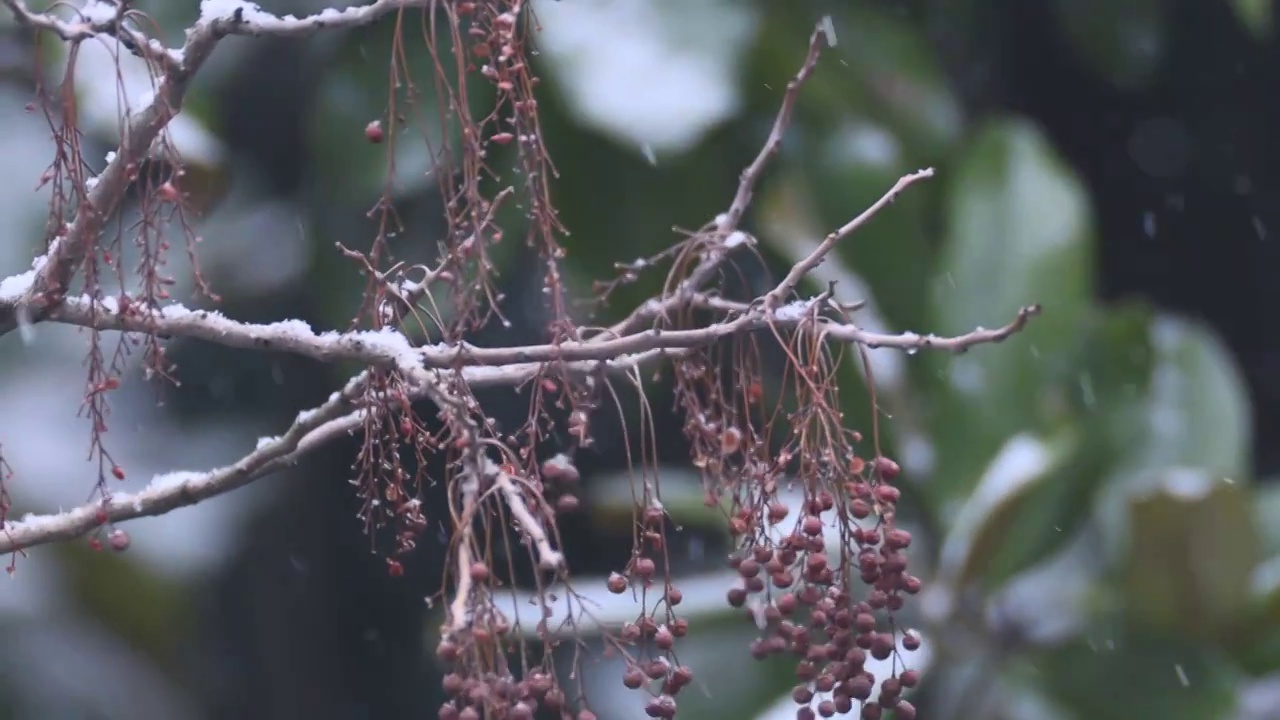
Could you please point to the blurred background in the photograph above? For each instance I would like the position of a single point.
(1094, 502)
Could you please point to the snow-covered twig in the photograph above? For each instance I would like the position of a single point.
(390, 347)
(177, 68)
(312, 429)
(549, 558)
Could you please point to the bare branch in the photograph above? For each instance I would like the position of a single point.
(312, 430)
(548, 557)
(725, 225)
(44, 287)
(390, 348)
(316, 427)
(98, 18)
(815, 258)
(457, 616)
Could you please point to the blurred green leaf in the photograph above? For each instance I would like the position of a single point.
(1020, 233)
(1256, 646)
(1194, 413)
(1113, 375)
(1055, 599)
(1122, 41)
(1256, 15)
(633, 214)
(1266, 512)
(125, 597)
(1198, 411)
(1047, 513)
(1192, 554)
(981, 536)
(849, 169)
(1105, 405)
(887, 71)
(1048, 507)
(1134, 675)
(746, 684)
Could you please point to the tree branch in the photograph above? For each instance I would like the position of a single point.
(724, 229)
(443, 374)
(42, 289)
(312, 429)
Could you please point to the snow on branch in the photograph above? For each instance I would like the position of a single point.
(442, 374)
(477, 367)
(312, 429)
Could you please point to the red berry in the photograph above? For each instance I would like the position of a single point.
(373, 131)
(447, 651)
(888, 469)
(568, 504)
(644, 567)
(887, 494)
(168, 193)
(617, 584)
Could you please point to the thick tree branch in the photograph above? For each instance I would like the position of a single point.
(390, 349)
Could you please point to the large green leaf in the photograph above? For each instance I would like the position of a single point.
(1193, 412)
(1025, 526)
(981, 526)
(1192, 554)
(1198, 408)
(1052, 499)
(1041, 491)
(1127, 675)
(1112, 377)
(1019, 233)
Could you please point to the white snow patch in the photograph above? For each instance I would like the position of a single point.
(212, 10)
(98, 12)
(794, 311)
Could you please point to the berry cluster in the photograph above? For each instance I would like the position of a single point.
(803, 597)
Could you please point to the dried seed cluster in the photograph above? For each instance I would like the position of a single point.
(807, 604)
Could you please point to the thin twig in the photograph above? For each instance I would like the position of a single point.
(727, 222)
(548, 557)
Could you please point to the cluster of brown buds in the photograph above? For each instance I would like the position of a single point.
(804, 600)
